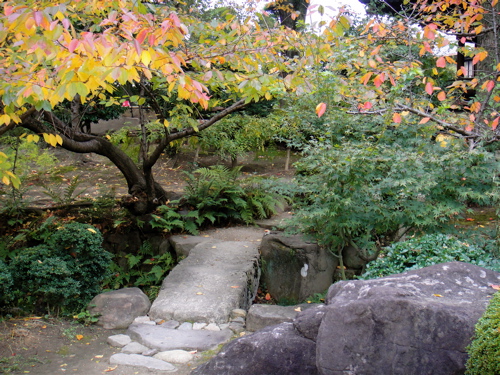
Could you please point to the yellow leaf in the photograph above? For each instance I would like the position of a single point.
(59, 139)
(79, 337)
(5, 180)
(145, 57)
(437, 295)
(91, 230)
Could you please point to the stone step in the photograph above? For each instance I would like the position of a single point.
(163, 338)
(216, 278)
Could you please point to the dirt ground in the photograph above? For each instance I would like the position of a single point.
(48, 346)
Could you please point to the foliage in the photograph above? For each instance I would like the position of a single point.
(238, 134)
(220, 197)
(484, 350)
(363, 193)
(146, 270)
(61, 274)
(427, 250)
(66, 192)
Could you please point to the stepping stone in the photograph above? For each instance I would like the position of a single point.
(216, 278)
(141, 361)
(163, 339)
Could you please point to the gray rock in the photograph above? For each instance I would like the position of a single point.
(171, 324)
(419, 322)
(276, 350)
(237, 328)
(119, 341)
(294, 269)
(163, 339)
(175, 356)
(260, 316)
(212, 327)
(238, 313)
(186, 326)
(134, 348)
(307, 322)
(199, 325)
(144, 320)
(141, 361)
(150, 352)
(238, 320)
(183, 244)
(216, 278)
(118, 308)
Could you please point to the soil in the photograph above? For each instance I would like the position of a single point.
(48, 345)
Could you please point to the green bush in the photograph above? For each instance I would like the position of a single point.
(363, 193)
(216, 195)
(6, 282)
(63, 273)
(484, 351)
(425, 251)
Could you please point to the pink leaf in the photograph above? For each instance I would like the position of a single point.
(320, 109)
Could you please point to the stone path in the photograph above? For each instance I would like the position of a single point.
(203, 302)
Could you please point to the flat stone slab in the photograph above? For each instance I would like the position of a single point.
(216, 278)
(261, 316)
(164, 339)
(141, 361)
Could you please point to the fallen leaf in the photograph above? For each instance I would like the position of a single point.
(496, 287)
(469, 219)
(79, 337)
(234, 286)
(91, 230)
(297, 309)
(437, 295)
(199, 293)
(111, 369)
(98, 356)
(214, 247)
(268, 297)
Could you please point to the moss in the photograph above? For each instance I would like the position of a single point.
(484, 351)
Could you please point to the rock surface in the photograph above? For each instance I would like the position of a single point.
(163, 339)
(276, 350)
(141, 361)
(118, 308)
(261, 316)
(216, 278)
(418, 322)
(294, 269)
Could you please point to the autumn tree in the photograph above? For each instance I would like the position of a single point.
(118, 53)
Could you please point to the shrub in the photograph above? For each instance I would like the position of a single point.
(362, 194)
(6, 282)
(484, 351)
(216, 195)
(63, 273)
(427, 250)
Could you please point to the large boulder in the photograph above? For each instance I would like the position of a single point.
(418, 322)
(294, 269)
(118, 308)
(275, 350)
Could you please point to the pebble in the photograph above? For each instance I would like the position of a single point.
(212, 327)
(134, 348)
(197, 326)
(119, 341)
(185, 326)
(175, 356)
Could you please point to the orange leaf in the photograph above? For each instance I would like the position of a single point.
(376, 50)
(429, 89)
(320, 109)
(441, 96)
(379, 79)
(79, 337)
(268, 297)
(494, 124)
(396, 118)
(496, 287)
(234, 286)
(475, 107)
(424, 120)
(366, 78)
(437, 295)
(441, 62)
(367, 105)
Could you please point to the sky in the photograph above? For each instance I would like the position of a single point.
(331, 7)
